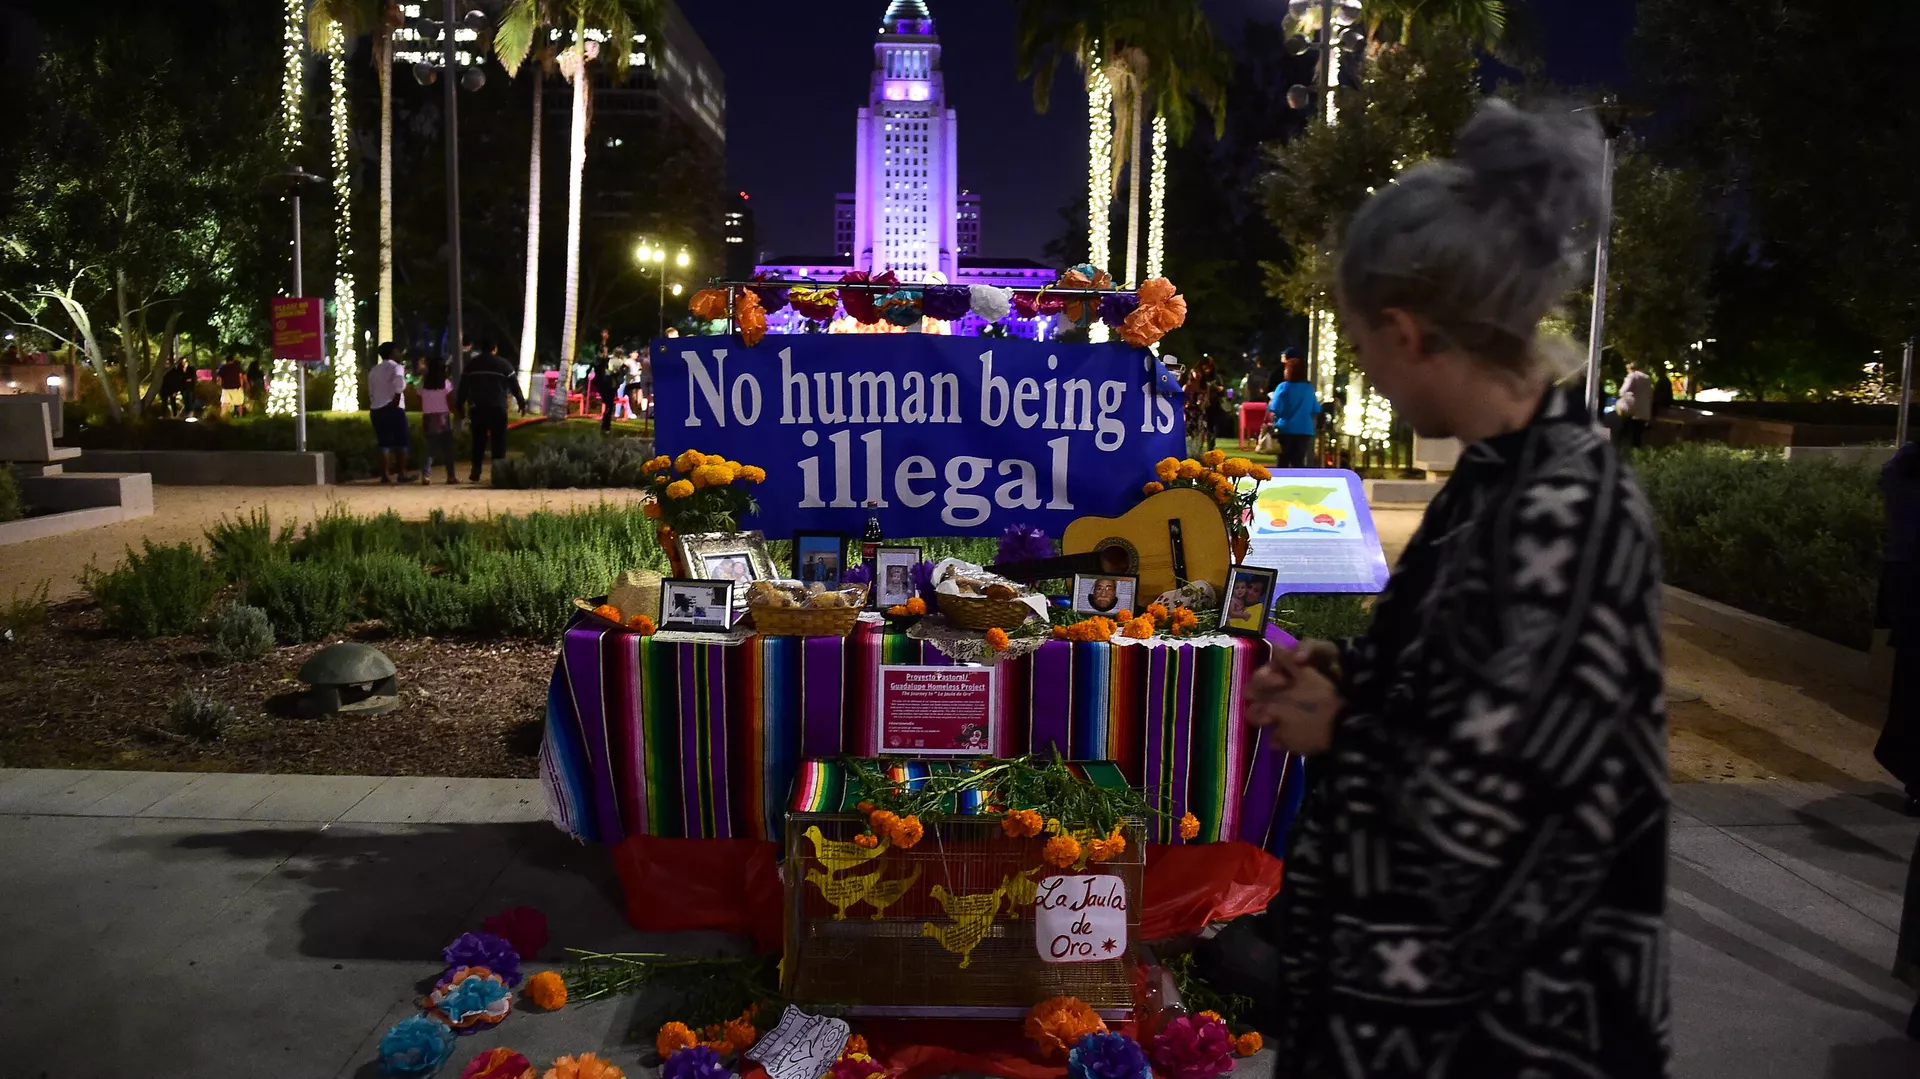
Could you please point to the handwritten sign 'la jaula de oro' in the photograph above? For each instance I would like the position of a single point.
(1080, 919)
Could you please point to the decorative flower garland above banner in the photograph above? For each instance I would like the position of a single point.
(1084, 293)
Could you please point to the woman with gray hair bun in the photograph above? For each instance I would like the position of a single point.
(1476, 887)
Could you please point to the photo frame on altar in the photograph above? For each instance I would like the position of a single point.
(820, 557)
(893, 576)
(702, 606)
(739, 557)
(1247, 601)
(1104, 593)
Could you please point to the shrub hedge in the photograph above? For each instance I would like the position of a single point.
(582, 459)
(159, 591)
(1796, 541)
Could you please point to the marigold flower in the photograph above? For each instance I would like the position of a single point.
(1249, 1043)
(1157, 612)
(897, 610)
(1189, 826)
(1058, 633)
(1260, 473)
(1167, 469)
(997, 639)
(905, 831)
(1182, 618)
(1061, 851)
(1022, 823)
(916, 605)
(547, 990)
(753, 473)
(1221, 495)
(672, 1038)
(584, 1066)
(641, 624)
(1099, 850)
(742, 1033)
(1057, 1023)
(1123, 615)
(1212, 458)
(609, 612)
(1190, 469)
(866, 840)
(865, 807)
(1235, 467)
(1139, 629)
(881, 821)
(1118, 841)
(689, 461)
(679, 489)
(1153, 488)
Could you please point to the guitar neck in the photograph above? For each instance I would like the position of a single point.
(1047, 569)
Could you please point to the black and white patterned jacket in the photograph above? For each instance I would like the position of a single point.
(1477, 886)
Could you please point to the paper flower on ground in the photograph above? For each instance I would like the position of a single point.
(1189, 826)
(547, 990)
(415, 1045)
(695, 1062)
(1056, 1023)
(990, 302)
(1193, 1048)
(484, 950)
(469, 998)
(523, 927)
(818, 304)
(856, 1066)
(498, 1063)
(1108, 1056)
(584, 1066)
(672, 1038)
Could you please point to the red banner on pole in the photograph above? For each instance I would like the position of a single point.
(296, 329)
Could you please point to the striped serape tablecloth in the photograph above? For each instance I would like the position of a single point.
(684, 740)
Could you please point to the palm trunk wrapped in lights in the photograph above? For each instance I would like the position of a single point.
(383, 63)
(1157, 201)
(1099, 171)
(573, 64)
(530, 309)
(346, 365)
(282, 389)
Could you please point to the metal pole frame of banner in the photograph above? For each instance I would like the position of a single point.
(1906, 394)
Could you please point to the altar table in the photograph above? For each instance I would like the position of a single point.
(703, 741)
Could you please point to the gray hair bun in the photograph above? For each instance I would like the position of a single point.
(1483, 245)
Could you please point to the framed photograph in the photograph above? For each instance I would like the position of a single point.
(893, 575)
(1104, 593)
(819, 557)
(740, 557)
(1249, 599)
(697, 605)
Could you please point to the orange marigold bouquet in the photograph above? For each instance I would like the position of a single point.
(701, 492)
(1218, 477)
(1056, 1023)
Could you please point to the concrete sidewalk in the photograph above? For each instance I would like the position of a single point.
(174, 924)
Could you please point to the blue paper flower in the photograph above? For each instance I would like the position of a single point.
(484, 950)
(1108, 1056)
(474, 995)
(415, 1046)
(695, 1062)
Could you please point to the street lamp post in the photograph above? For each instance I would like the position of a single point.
(1613, 121)
(473, 78)
(647, 254)
(296, 178)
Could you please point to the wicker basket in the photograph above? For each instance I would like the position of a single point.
(806, 621)
(978, 612)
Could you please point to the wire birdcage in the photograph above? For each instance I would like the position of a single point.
(902, 933)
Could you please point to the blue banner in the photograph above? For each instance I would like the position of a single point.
(934, 435)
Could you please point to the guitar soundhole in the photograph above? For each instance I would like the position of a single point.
(1118, 557)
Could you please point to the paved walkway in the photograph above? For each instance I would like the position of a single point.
(276, 925)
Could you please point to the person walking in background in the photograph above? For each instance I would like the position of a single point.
(233, 387)
(436, 418)
(482, 397)
(1634, 407)
(387, 406)
(257, 381)
(174, 385)
(1293, 411)
(1202, 386)
(1476, 886)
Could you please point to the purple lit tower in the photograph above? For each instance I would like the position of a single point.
(907, 212)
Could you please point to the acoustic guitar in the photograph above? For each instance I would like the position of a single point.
(1168, 539)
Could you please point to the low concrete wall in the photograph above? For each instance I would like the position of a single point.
(215, 468)
(56, 524)
(1871, 456)
(131, 491)
(1400, 492)
(1848, 666)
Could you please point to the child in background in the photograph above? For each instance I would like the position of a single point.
(436, 417)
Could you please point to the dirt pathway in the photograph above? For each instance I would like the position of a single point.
(184, 513)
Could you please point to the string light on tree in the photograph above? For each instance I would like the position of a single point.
(1157, 199)
(346, 366)
(282, 387)
(1099, 170)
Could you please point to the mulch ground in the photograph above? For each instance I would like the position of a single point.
(75, 695)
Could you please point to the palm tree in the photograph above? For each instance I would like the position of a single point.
(614, 22)
(1149, 52)
(378, 18)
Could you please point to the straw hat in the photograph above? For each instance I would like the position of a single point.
(635, 591)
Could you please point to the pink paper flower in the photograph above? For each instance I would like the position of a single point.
(1193, 1047)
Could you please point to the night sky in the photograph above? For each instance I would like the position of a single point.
(795, 75)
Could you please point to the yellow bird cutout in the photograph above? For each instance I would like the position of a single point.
(1020, 889)
(972, 919)
(888, 892)
(842, 892)
(838, 855)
